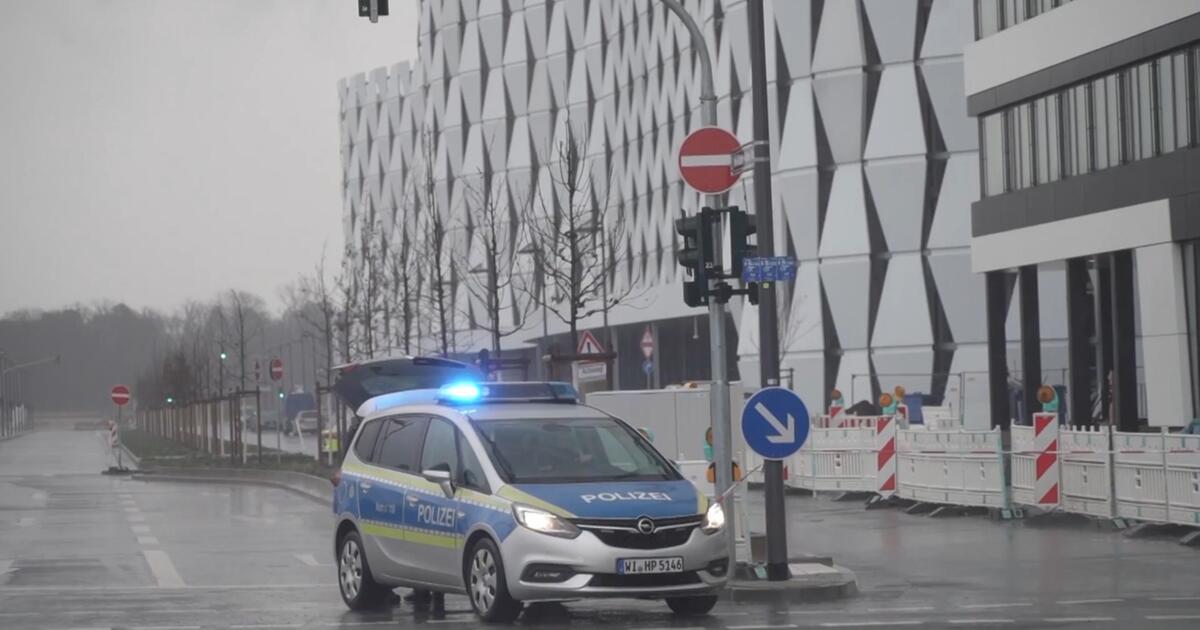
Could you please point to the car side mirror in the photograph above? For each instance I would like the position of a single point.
(441, 478)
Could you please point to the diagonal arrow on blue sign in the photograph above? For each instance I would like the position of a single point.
(775, 423)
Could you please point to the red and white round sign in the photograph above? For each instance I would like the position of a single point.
(276, 369)
(706, 160)
(120, 395)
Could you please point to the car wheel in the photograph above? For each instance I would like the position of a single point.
(359, 589)
(692, 606)
(486, 586)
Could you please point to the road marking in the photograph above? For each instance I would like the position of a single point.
(1171, 617)
(26, 521)
(20, 614)
(6, 566)
(307, 558)
(273, 625)
(973, 622)
(147, 540)
(1078, 619)
(901, 610)
(131, 510)
(1189, 598)
(1073, 602)
(141, 529)
(860, 624)
(763, 627)
(1008, 605)
(165, 627)
(162, 568)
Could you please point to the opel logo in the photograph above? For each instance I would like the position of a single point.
(645, 525)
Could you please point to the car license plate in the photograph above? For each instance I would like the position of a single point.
(634, 566)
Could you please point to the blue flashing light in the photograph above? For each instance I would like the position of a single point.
(461, 392)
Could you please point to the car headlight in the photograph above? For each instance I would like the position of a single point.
(544, 522)
(714, 519)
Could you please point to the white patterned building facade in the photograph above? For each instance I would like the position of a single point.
(875, 167)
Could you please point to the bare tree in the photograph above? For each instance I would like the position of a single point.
(491, 268)
(346, 286)
(572, 232)
(243, 315)
(313, 302)
(432, 225)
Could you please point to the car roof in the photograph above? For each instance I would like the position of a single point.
(530, 411)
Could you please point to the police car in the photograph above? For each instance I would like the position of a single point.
(514, 492)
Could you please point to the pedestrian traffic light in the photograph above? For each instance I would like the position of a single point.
(741, 227)
(695, 254)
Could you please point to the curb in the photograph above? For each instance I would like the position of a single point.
(310, 487)
(840, 583)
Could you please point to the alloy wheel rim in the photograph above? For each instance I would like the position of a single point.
(483, 580)
(350, 569)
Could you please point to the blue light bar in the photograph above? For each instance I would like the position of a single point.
(465, 392)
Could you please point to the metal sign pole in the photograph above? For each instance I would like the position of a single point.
(719, 392)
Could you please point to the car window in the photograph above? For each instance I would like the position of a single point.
(441, 448)
(365, 446)
(400, 443)
(571, 450)
(472, 475)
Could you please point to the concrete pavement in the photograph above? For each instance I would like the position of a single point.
(82, 550)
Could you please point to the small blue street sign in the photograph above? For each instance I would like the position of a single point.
(768, 269)
(648, 367)
(775, 423)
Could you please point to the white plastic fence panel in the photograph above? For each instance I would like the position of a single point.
(951, 467)
(1023, 464)
(1139, 476)
(1183, 479)
(838, 460)
(1086, 471)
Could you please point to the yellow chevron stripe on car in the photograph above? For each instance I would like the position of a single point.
(513, 494)
(433, 539)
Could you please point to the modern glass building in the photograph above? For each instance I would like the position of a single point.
(875, 168)
(1089, 127)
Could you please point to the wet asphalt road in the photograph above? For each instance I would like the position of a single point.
(83, 550)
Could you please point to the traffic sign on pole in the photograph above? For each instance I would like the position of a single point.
(648, 343)
(120, 395)
(707, 160)
(775, 423)
(276, 369)
(588, 344)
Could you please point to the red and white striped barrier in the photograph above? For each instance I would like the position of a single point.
(1035, 458)
(885, 457)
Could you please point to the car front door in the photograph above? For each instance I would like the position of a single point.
(383, 499)
(431, 518)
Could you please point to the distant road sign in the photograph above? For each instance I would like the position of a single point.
(648, 343)
(706, 160)
(120, 395)
(588, 344)
(775, 423)
(276, 369)
(768, 269)
(648, 367)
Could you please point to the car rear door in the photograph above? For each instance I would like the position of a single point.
(384, 499)
(431, 518)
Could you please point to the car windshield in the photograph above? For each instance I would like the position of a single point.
(562, 450)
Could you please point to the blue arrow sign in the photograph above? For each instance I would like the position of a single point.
(775, 423)
(648, 367)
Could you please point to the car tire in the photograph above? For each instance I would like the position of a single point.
(486, 585)
(357, 585)
(692, 606)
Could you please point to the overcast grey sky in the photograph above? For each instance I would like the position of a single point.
(155, 151)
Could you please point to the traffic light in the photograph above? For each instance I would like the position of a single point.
(696, 254)
(281, 394)
(741, 227)
(223, 355)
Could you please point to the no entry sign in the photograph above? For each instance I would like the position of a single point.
(706, 160)
(276, 369)
(120, 395)
(647, 343)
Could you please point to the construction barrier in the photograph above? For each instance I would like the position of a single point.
(1140, 476)
(1035, 462)
(951, 467)
(1085, 467)
(1183, 478)
(836, 459)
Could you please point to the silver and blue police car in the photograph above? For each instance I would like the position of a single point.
(514, 492)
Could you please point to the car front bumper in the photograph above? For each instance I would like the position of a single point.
(593, 565)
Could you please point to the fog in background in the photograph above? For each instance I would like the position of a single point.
(156, 151)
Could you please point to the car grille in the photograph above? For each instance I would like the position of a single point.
(615, 580)
(623, 533)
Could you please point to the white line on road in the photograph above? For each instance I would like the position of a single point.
(163, 569)
(20, 614)
(1078, 619)
(901, 610)
(1008, 605)
(307, 558)
(860, 624)
(137, 518)
(977, 622)
(147, 540)
(763, 627)
(1074, 602)
(1188, 598)
(165, 627)
(1171, 617)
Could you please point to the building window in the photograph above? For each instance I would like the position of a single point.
(1134, 113)
(993, 16)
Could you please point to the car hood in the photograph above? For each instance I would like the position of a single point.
(612, 499)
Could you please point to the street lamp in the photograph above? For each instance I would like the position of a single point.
(221, 373)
